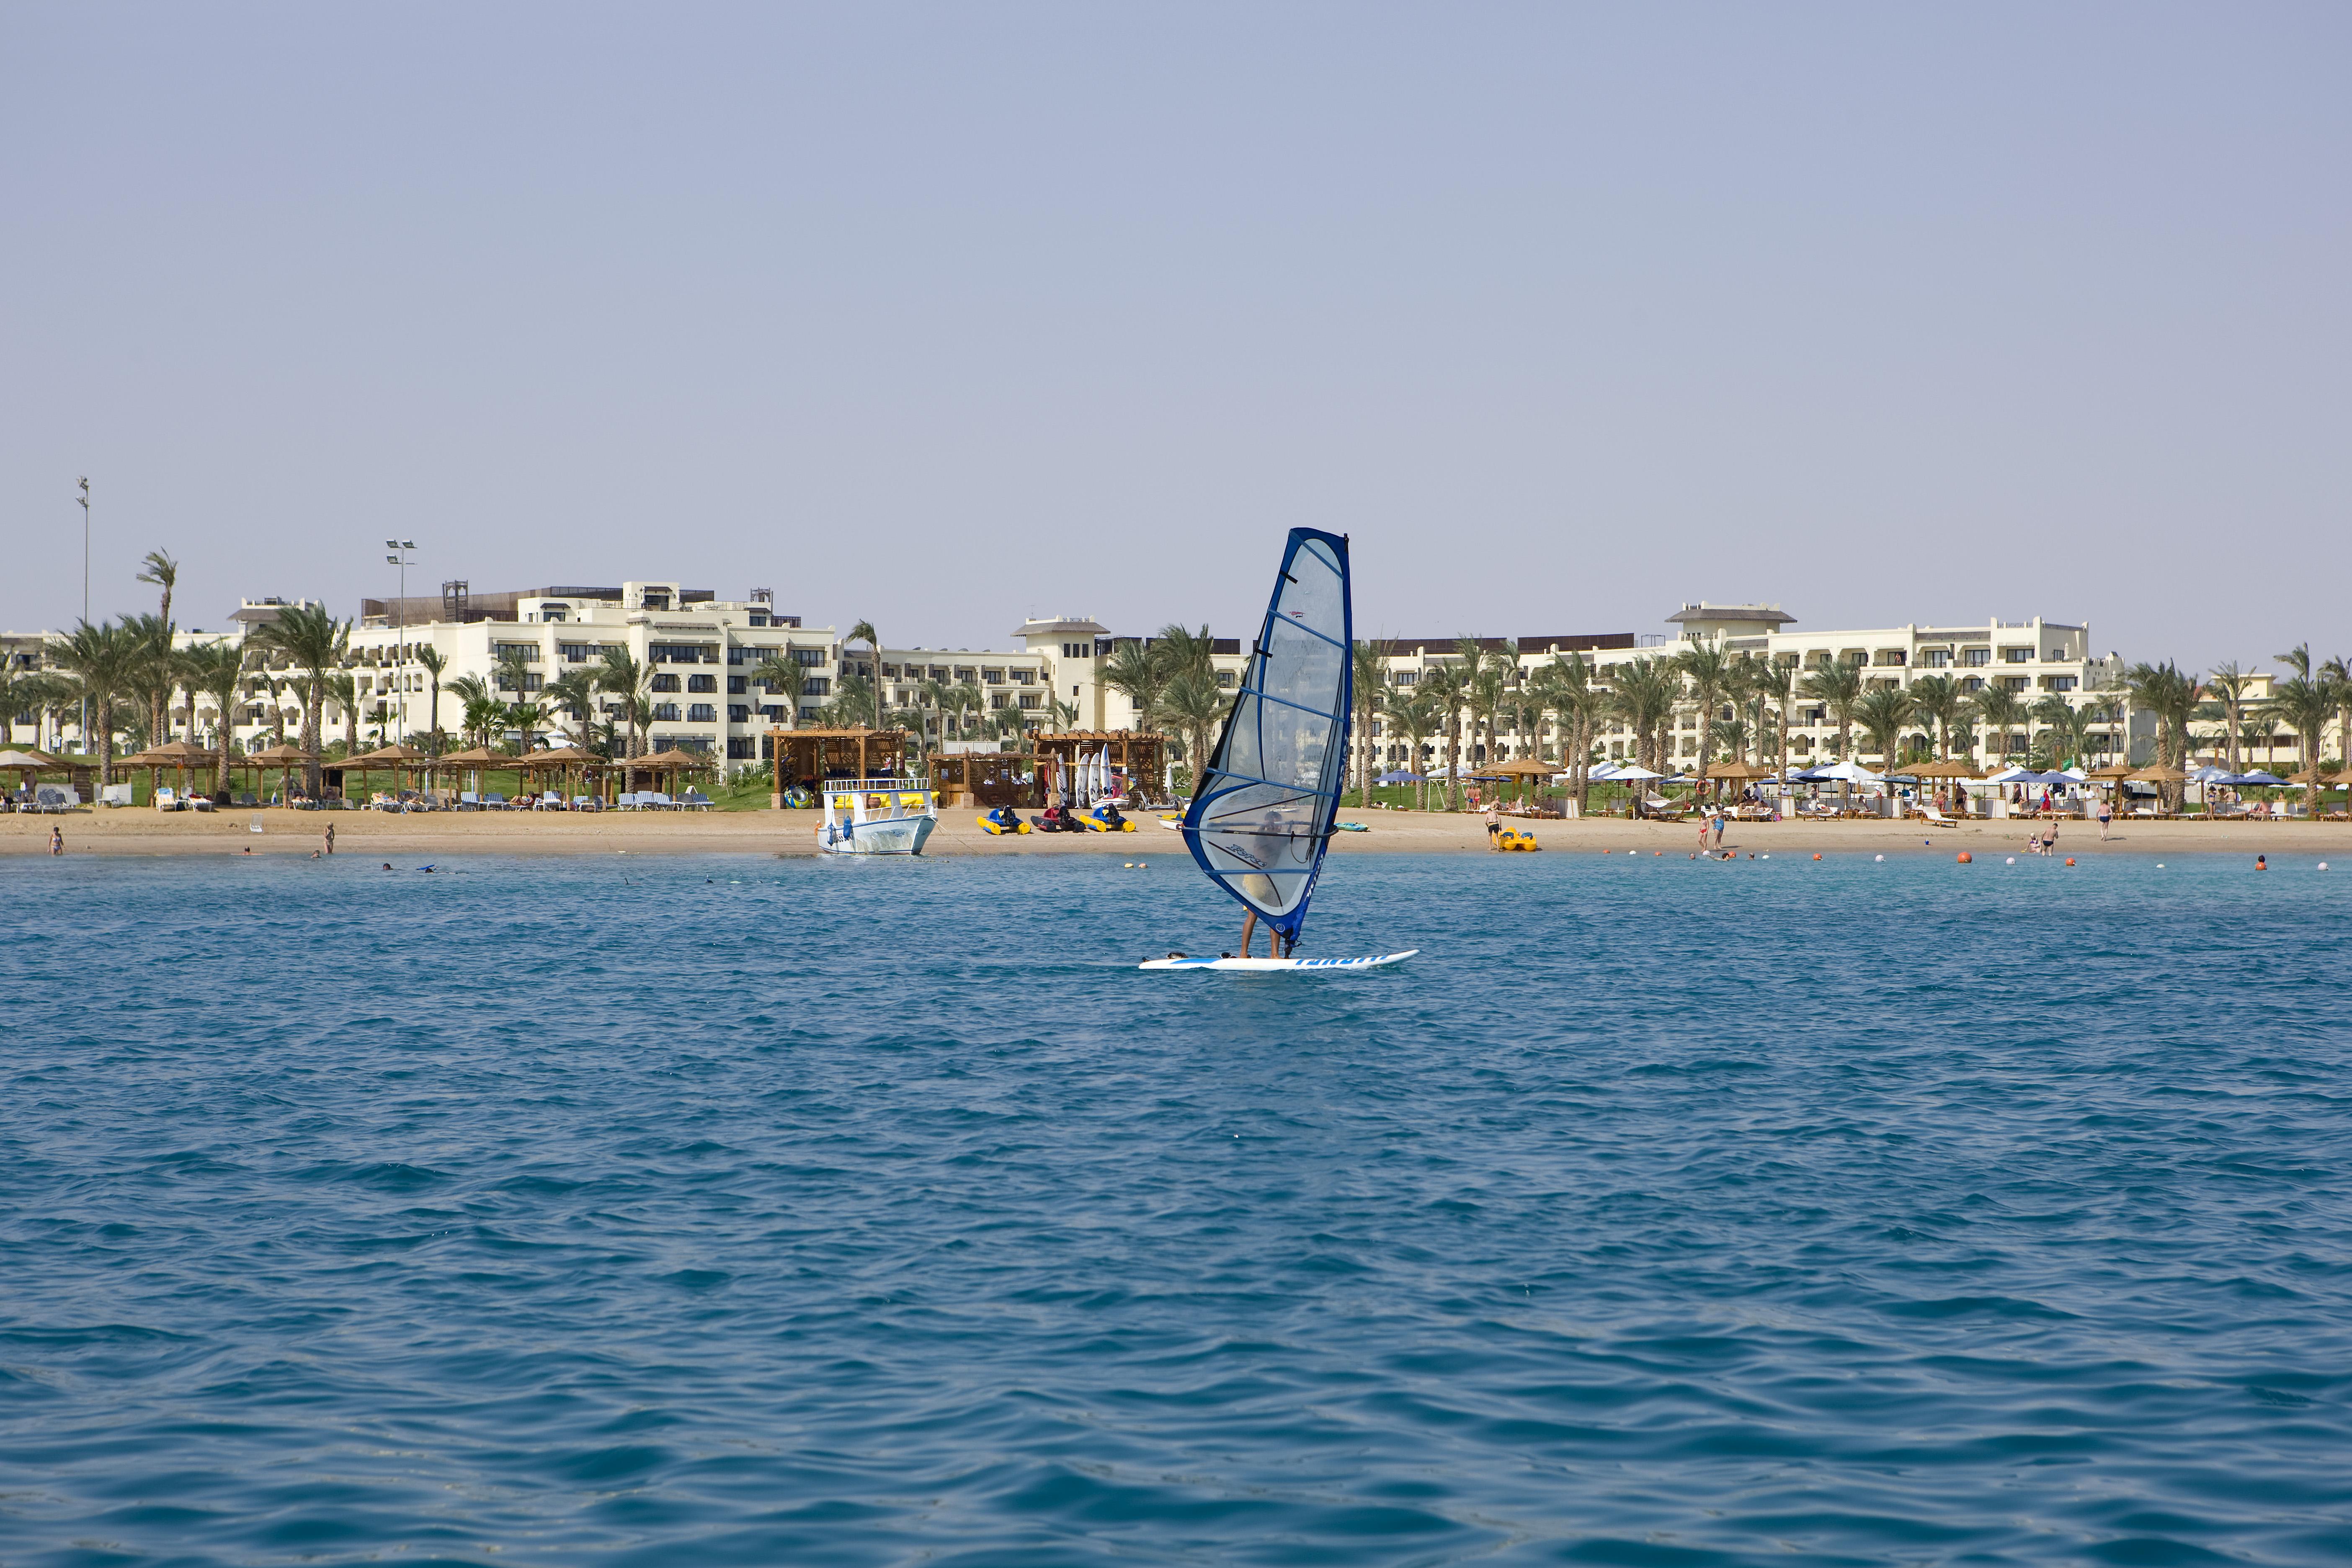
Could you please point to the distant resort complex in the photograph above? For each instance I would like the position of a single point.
(654, 668)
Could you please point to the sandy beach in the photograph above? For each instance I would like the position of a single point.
(381, 835)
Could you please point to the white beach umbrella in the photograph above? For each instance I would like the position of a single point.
(1849, 773)
(1636, 773)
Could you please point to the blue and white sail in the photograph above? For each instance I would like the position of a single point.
(1260, 817)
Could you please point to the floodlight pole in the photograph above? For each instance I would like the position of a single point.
(84, 498)
(400, 558)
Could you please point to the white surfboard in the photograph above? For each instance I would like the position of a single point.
(1269, 965)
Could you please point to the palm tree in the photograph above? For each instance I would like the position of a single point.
(864, 632)
(1837, 687)
(1443, 684)
(1883, 712)
(1777, 681)
(1938, 700)
(314, 642)
(1484, 675)
(157, 568)
(1195, 703)
(343, 689)
(2228, 686)
(484, 718)
(216, 670)
(783, 675)
(2064, 729)
(1368, 675)
(1708, 671)
(526, 715)
(17, 697)
(2304, 703)
(2109, 712)
(1566, 688)
(2338, 673)
(434, 661)
(1644, 694)
(625, 677)
(1140, 674)
(2170, 697)
(967, 700)
(574, 691)
(935, 698)
(104, 661)
(1413, 714)
(2000, 712)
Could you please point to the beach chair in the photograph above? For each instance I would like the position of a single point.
(1935, 817)
(695, 799)
(165, 799)
(656, 800)
(493, 802)
(584, 803)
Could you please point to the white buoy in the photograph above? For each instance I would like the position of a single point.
(2323, 865)
(2013, 860)
(1878, 857)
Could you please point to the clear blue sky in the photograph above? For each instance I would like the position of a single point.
(946, 315)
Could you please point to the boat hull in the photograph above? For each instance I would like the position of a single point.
(891, 836)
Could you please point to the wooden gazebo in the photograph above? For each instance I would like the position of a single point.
(811, 757)
(1141, 754)
(184, 755)
(987, 779)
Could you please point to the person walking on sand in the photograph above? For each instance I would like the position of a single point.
(56, 840)
(2107, 812)
(330, 838)
(1715, 815)
(1494, 827)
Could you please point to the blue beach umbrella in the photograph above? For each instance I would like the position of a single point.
(1399, 776)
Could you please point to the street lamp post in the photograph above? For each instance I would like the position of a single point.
(400, 558)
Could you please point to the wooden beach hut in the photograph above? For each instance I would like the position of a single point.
(806, 758)
(986, 780)
(1141, 754)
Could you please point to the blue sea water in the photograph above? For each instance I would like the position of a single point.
(702, 1210)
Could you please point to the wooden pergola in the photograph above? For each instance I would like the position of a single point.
(813, 755)
(988, 779)
(1141, 754)
(184, 755)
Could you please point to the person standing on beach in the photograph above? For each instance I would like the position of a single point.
(1715, 816)
(56, 840)
(1494, 827)
(2105, 813)
(330, 838)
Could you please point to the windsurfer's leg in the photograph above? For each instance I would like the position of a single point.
(1249, 931)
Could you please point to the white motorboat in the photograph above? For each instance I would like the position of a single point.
(876, 816)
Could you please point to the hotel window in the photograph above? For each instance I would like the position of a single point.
(702, 713)
(2061, 683)
(808, 658)
(526, 651)
(2017, 656)
(1407, 677)
(807, 713)
(1890, 656)
(890, 672)
(1936, 657)
(666, 683)
(742, 748)
(1024, 677)
(966, 674)
(1224, 678)
(738, 713)
(1975, 657)
(1973, 683)
(739, 686)
(1029, 699)
(995, 700)
(2013, 683)
(572, 652)
(702, 683)
(818, 686)
(938, 673)
(666, 712)
(773, 712)
(991, 677)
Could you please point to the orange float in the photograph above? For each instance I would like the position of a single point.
(1966, 858)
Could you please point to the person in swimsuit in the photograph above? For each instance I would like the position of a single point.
(56, 840)
(1494, 827)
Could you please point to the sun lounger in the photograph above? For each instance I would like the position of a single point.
(1935, 819)
(695, 799)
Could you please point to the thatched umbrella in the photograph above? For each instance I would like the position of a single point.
(673, 762)
(479, 758)
(27, 763)
(2161, 778)
(393, 757)
(1525, 769)
(284, 758)
(180, 755)
(563, 758)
